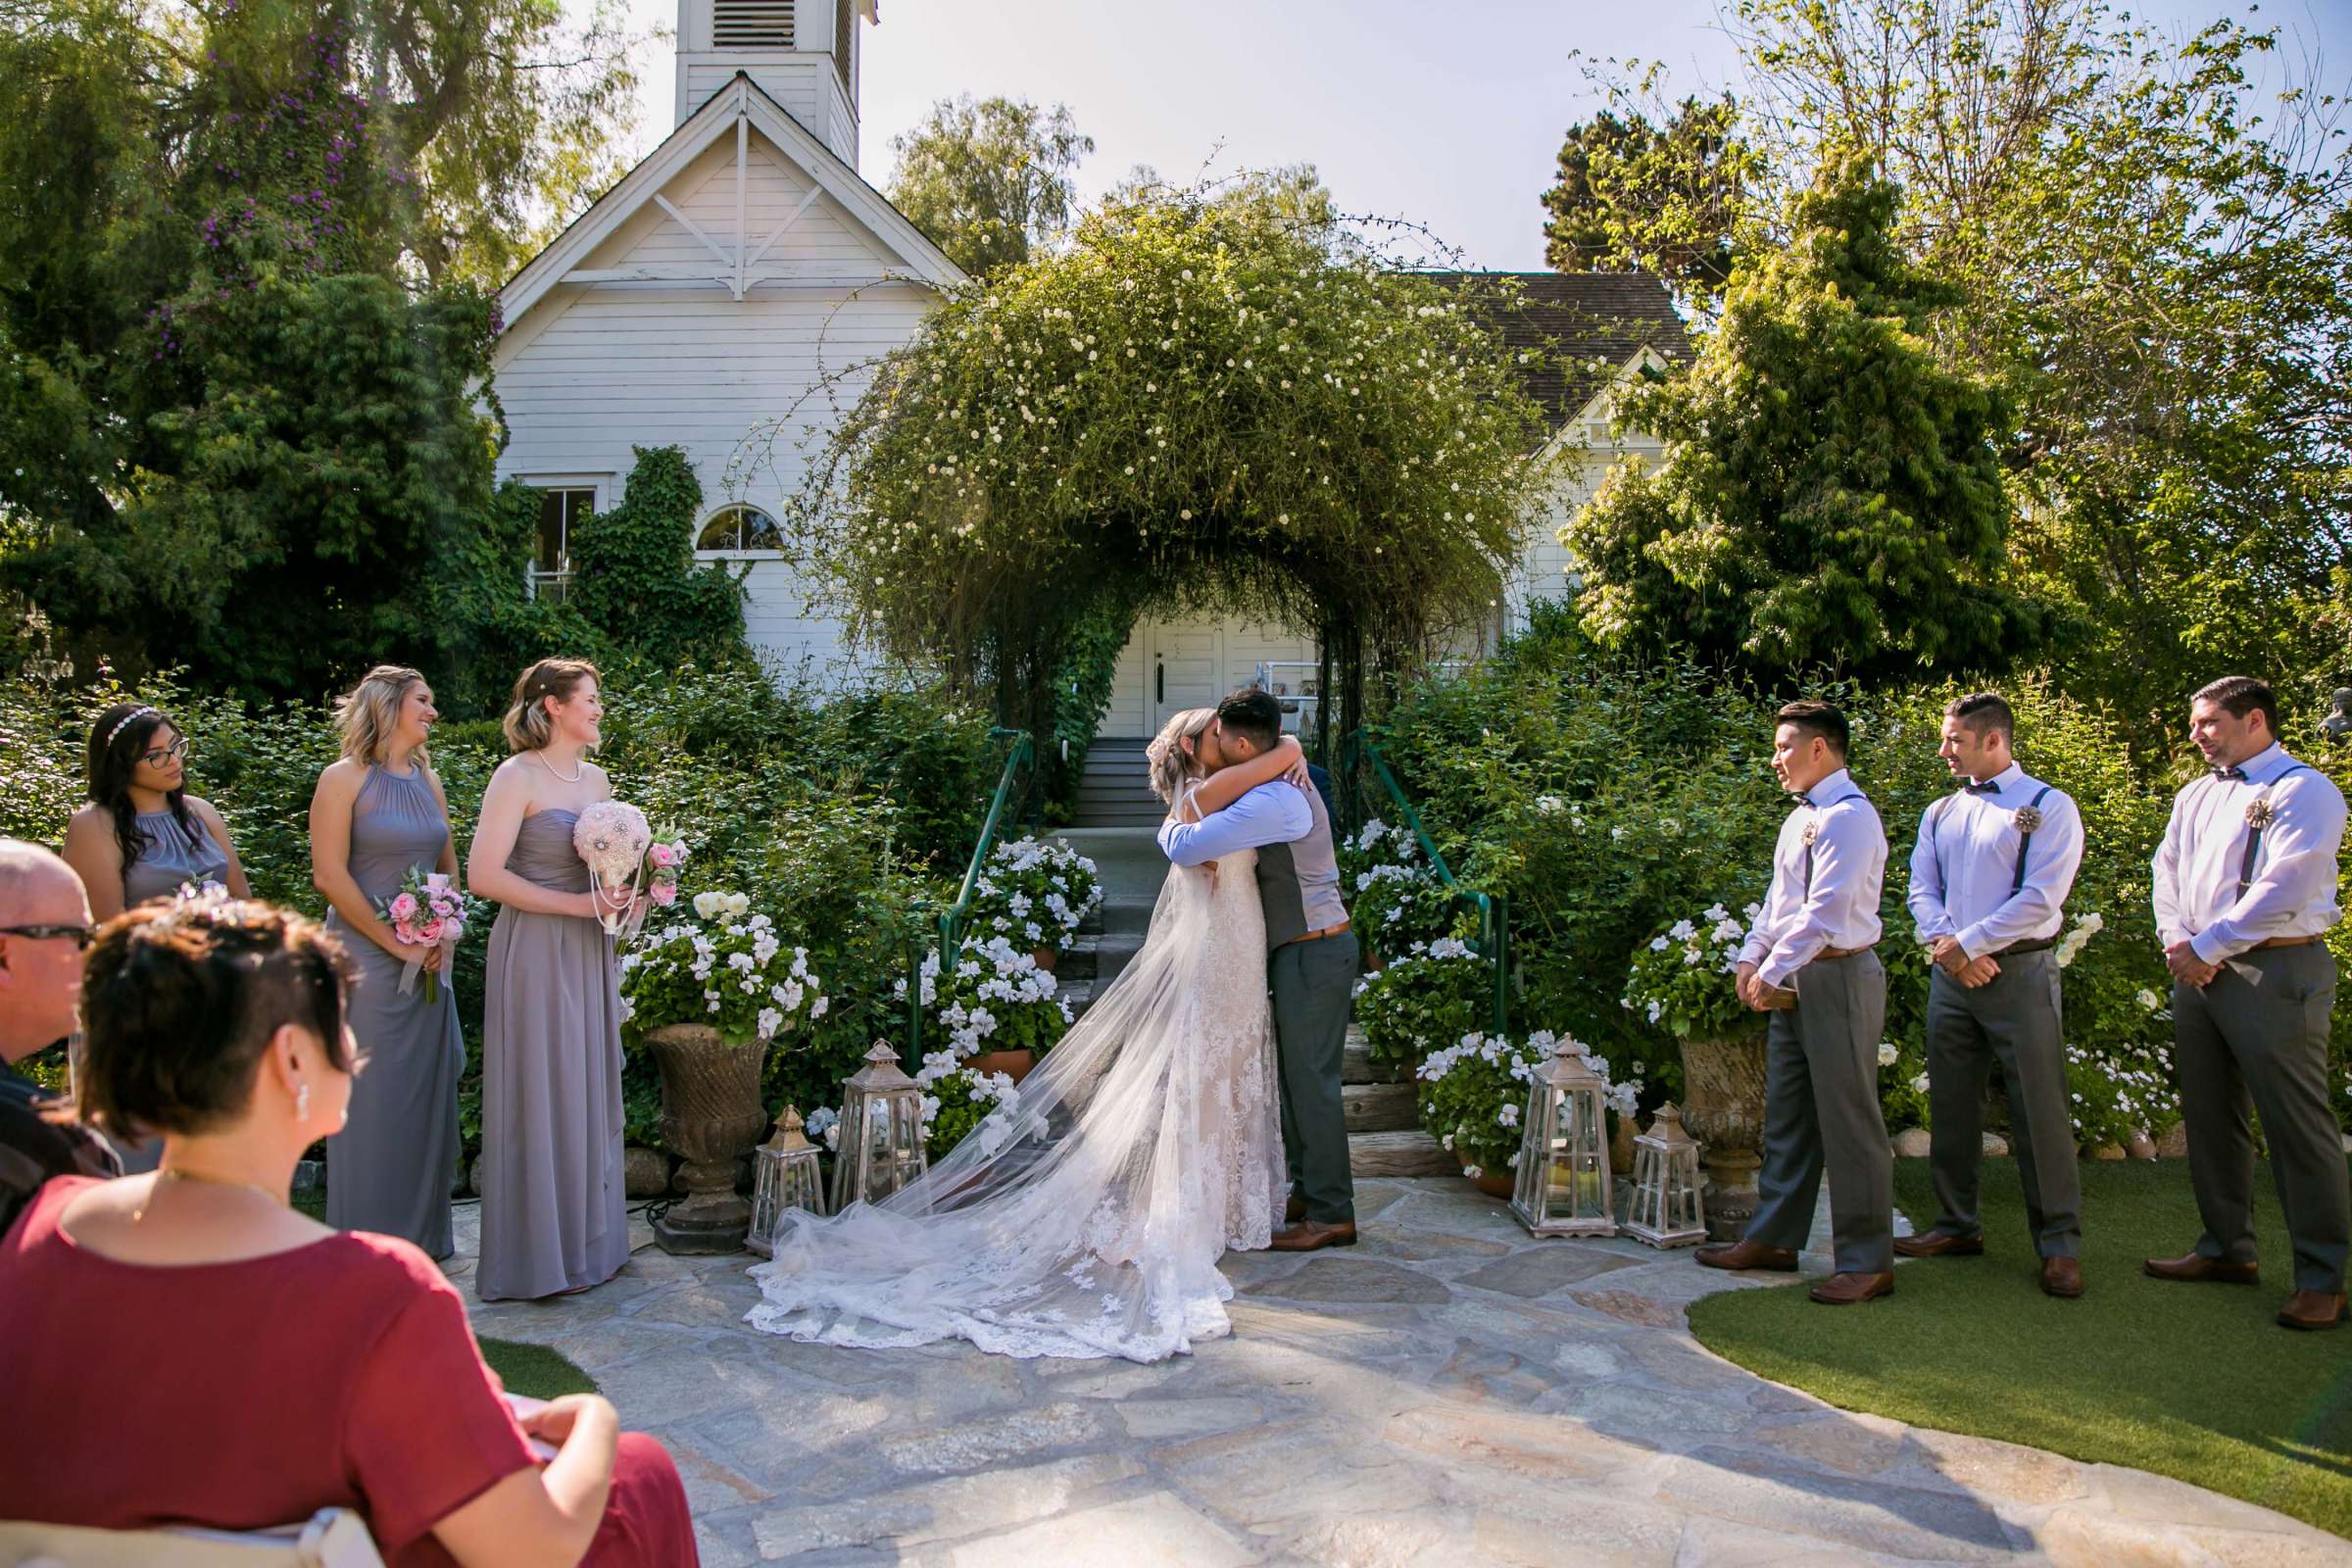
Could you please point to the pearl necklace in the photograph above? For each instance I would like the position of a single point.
(579, 768)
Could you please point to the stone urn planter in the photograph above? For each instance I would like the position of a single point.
(1723, 1106)
(1014, 1064)
(712, 1116)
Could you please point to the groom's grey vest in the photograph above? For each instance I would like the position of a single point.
(1299, 882)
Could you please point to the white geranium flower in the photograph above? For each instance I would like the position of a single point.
(708, 904)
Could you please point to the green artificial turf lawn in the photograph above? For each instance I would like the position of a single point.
(2193, 1380)
(532, 1370)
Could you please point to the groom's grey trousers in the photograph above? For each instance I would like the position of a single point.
(1821, 1109)
(1314, 990)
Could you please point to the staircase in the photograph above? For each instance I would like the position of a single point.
(1382, 1139)
(1114, 789)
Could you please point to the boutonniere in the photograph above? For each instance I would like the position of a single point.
(2029, 820)
(2260, 812)
(1812, 831)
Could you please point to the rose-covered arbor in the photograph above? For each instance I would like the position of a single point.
(1192, 404)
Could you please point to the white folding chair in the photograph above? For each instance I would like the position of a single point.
(331, 1537)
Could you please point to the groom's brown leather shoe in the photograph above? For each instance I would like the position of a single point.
(1311, 1236)
(1939, 1244)
(2061, 1277)
(1293, 1210)
(2311, 1309)
(1844, 1289)
(1746, 1253)
(2197, 1268)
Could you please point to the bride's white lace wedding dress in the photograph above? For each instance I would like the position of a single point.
(1085, 1218)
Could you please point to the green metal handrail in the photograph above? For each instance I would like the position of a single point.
(1493, 933)
(1023, 754)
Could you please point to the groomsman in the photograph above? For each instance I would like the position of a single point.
(1808, 962)
(1990, 875)
(2245, 883)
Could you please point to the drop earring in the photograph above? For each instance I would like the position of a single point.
(302, 1103)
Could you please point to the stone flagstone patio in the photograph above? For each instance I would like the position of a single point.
(1450, 1391)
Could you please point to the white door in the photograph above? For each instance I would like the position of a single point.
(1187, 669)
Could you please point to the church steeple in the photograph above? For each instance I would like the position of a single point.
(802, 53)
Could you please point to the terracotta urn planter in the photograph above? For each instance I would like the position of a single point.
(1492, 1183)
(1723, 1106)
(1046, 958)
(1014, 1064)
(712, 1116)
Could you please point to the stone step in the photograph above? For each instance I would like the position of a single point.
(1376, 1108)
(1398, 1153)
(1123, 916)
(1116, 950)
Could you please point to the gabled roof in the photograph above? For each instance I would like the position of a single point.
(1584, 329)
(741, 98)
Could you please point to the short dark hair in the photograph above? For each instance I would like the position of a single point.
(1253, 715)
(1812, 717)
(1982, 712)
(180, 999)
(2240, 695)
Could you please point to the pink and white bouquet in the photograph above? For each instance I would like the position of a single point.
(626, 858)
(429, 911)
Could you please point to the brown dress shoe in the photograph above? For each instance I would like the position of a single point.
(2313, 1309)
(1294, 1209)
(2061, 1277)
(1939, 1244)
(1311, 1236)
(1746, 1253)
(1844, 1289)
(2196, 1268)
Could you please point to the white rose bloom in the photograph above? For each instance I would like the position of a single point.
(1919, 1085)
(708, 904)
(1888, 1053)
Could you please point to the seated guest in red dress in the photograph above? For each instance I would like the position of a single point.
(234, 1365)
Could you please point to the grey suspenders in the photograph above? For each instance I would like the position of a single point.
(2246, 862)
(2025, 842)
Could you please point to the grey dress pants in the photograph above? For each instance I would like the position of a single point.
(2013, 1019)
(1820, 1111)
(2256, 1040)
(1315, 991)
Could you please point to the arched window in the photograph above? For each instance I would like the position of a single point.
(741, 527)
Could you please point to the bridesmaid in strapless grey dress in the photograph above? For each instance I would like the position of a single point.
(391, 1168)
(169, 855)
(553, 1212)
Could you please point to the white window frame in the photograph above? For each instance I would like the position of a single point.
(701, 527)
(600, 485)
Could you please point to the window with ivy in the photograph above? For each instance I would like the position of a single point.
(741, 527)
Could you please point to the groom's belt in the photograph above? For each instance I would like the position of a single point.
(1316, 935)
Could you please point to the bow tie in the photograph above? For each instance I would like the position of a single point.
(1992, 786)
(2231, 774)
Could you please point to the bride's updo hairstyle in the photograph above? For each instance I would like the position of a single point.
(528, 725)
(1168, 758)
(180, 999)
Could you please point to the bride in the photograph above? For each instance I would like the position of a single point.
(1085, 1215)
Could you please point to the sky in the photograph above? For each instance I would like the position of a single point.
(1447, 113)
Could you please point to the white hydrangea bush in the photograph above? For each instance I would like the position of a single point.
(727, 967)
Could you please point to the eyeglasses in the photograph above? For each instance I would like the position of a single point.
(165, 753)
(80, 936)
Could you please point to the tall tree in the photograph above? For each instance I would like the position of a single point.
(989, 181)
(1831, 495)
(1666, 198)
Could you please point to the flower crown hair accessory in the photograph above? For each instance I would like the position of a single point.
(124, 722)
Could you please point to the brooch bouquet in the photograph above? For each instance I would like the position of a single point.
(626, 858)
(429, 911)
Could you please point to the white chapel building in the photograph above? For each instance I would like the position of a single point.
(717, 296)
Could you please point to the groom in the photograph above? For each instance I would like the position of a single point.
(1311, 964)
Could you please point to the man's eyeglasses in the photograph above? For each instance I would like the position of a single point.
(165, 753)
(79, 935)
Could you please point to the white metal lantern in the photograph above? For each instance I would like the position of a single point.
(1563, 1187)
(785, 1176)
(881, 1132)
(1665, 1210)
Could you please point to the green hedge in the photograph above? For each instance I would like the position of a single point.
(1610, 799)
(832, 816)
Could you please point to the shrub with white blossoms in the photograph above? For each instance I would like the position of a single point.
(1432, 993)
(996, 999)
(1037, 892)
(2115, 1092)
(1393, 896)
(1681, 979)
(1473, 1094)
(727, 968)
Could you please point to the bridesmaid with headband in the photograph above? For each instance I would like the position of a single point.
(143, 836)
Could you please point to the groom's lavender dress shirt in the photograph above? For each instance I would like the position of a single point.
(1297, 873)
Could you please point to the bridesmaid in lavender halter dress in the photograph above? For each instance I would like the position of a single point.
(377, 814)
(554, 1216)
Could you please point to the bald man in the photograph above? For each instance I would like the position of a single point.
(44, 926)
